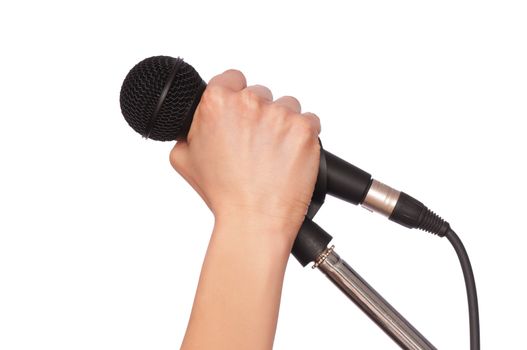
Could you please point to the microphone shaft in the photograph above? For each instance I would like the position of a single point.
(371, 302)
(354, 185)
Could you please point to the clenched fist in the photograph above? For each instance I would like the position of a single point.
(250, 157)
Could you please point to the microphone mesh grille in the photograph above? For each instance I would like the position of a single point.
(142, 88)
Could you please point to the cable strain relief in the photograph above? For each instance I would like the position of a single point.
(411, 213)
(433, 223)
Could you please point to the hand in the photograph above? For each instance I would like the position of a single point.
(251, 158)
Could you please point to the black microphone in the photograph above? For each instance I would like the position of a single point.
(160, 95)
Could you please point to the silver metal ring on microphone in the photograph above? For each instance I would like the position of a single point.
(381, 198)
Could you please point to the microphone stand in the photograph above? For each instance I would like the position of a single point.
(311, 245)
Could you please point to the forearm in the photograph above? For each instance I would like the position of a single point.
(238, 296)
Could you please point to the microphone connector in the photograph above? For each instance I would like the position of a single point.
(403, 209)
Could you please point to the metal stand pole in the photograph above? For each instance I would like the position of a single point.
(371, 302)
(311, 244)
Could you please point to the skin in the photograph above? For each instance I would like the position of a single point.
(254, 161)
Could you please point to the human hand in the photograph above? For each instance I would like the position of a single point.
(251, 158)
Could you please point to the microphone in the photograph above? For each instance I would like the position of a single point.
(160, 95)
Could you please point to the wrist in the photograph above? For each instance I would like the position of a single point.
(266, 231)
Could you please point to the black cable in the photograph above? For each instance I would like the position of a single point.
(470, 284)
(411, 213)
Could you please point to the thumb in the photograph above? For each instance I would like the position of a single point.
(179, 156)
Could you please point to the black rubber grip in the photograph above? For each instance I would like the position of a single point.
(310, 242)
(345, 180)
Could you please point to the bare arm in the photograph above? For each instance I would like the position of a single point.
(254, 162)
(238, 296)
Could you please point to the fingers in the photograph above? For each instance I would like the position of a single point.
(290, 102)
(235, 81)
(231, 79)
(261, 91)
(313, 120)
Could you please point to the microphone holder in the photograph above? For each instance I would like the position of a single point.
(311, 245)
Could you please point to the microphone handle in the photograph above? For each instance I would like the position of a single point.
(354, 185)
(345, 180)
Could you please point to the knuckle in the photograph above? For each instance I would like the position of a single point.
(214, 95)
(279, 110)
(314, 117)
(235, 74)
(293, 99)
(304, 128)
(315, 121)
(250, 99)
(212, 102)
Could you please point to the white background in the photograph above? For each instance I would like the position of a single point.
(101, 242)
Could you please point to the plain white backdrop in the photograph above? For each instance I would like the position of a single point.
(101, 242)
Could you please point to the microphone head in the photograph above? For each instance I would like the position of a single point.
(159, 96)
